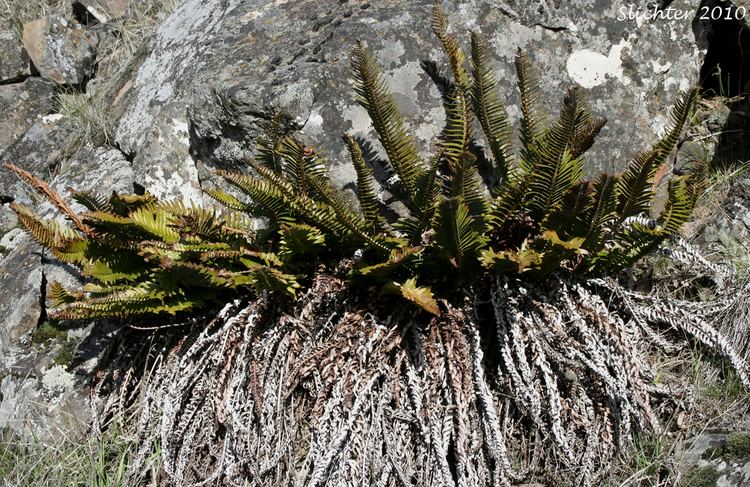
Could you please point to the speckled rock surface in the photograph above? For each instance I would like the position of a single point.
(21, 105)
(61, 49)
(217, 68)
(38, 151)
(14, 62)
(717, 460)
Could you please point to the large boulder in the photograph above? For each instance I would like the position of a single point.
(61, 49)
(21, 105)
(14, 63)
(38, 151)
(217, 69)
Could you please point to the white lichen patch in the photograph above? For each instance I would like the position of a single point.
(357, 116)
(403, 81)
(52, 118)
(314, 124)
(589, 68)
(392, 51)
(660, 68)
(12, 239)
(509, 40)
(427, 132)
(58, 380)
(183, 181)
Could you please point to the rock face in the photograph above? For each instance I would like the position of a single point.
(39, 151)
(21, 105)
(218, 68)
(61, 49)
(717, 460)
(14, 63)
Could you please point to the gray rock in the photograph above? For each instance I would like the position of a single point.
(61, 49)
(30, 409)
(8, 220)
(14, 63)
(721, 460)
(233, 64)
(43, 152)
(21, 105)
(21, 274)
(39, 151)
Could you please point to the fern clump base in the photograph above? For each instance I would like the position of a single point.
(522, 381)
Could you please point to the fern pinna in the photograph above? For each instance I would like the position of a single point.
(534, 214)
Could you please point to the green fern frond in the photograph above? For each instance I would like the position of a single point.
(509, 202)
(345, 216)
(635, 188)
(458, 234)
(466, 186)
(299, 240)
(112, 272)
(696, 181)
(555, 171)
(636, 191)
(237, 224)
(366, 194)
(451, 47)
(373, 95)
(678, 207)
(602, 212)
(60, 296)
(678, 117)
(156, 222)
(265, 278)
(428, 195)
(90, 201)
(266, 146)
(228, 200)
(457, 133)
(517, 261)
(571, 216)
(532, 105)
(298, 163)
(180, 275)
(629, 245)
(398, 259)
(262, 192)
(73, 251)
(585, 135)
(123, 204)
(489, 110)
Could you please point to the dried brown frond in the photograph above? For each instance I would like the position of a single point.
(43, 188)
